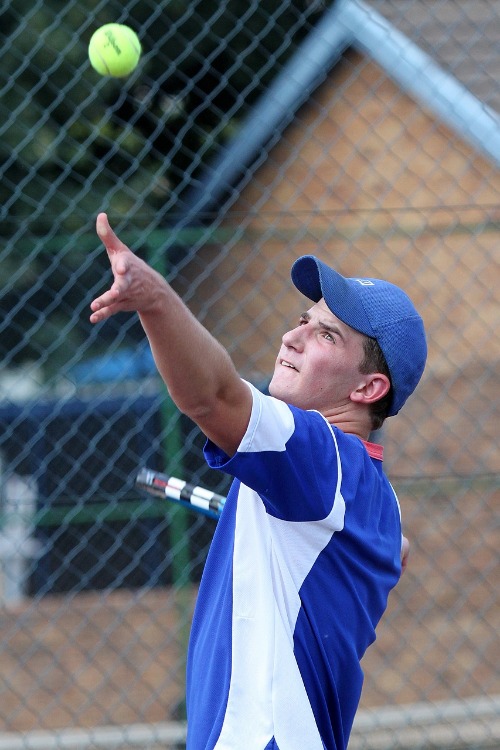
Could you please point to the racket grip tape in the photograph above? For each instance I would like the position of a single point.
(198, 498)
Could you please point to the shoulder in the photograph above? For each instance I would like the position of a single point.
(274, 423)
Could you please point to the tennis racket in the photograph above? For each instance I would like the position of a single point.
(191, 496)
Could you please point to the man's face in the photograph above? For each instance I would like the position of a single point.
(318, 363)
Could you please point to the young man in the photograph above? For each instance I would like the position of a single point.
(309, 544)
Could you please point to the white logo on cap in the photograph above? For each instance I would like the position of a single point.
(365, 282)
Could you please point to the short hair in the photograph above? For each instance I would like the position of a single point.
(374, 361)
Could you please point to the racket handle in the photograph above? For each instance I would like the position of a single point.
(197, 498)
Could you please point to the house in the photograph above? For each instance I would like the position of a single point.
(382, 166)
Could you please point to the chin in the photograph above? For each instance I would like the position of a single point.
(281, 392)
(275, 390)
(271, 388)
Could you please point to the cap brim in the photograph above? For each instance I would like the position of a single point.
(315, 280)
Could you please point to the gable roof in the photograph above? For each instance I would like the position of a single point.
(354, 23)
(461, 37)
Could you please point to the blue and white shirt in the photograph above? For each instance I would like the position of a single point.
(301, 564)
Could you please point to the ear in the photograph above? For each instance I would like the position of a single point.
(372, 388)
(405, 553)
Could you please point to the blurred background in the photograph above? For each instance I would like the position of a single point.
(250, 133)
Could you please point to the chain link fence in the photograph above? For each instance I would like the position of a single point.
(251, 133)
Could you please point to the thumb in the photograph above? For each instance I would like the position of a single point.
(107, 236)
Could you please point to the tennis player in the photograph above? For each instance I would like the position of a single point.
(310, 543)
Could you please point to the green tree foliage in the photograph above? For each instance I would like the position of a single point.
(73, 143)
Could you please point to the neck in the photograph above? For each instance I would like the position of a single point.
(352, 421)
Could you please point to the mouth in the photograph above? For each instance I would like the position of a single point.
(285, 363)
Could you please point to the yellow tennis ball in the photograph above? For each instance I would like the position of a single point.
(114, 50)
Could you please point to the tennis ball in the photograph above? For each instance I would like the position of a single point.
(114, 50)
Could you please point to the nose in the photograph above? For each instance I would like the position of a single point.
(293, 339)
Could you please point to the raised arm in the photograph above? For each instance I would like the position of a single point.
(197, 370)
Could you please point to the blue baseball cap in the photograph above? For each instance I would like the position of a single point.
(376, 308)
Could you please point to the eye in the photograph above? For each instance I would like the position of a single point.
(328, 335)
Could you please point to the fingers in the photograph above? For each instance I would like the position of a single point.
(108, 303)
(112, 300)
(104, 306)
(136, 286)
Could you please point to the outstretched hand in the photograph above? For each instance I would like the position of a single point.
(135, 286)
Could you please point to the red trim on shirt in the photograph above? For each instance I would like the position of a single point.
(374, 450)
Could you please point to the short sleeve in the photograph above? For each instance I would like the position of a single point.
(288, 456)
